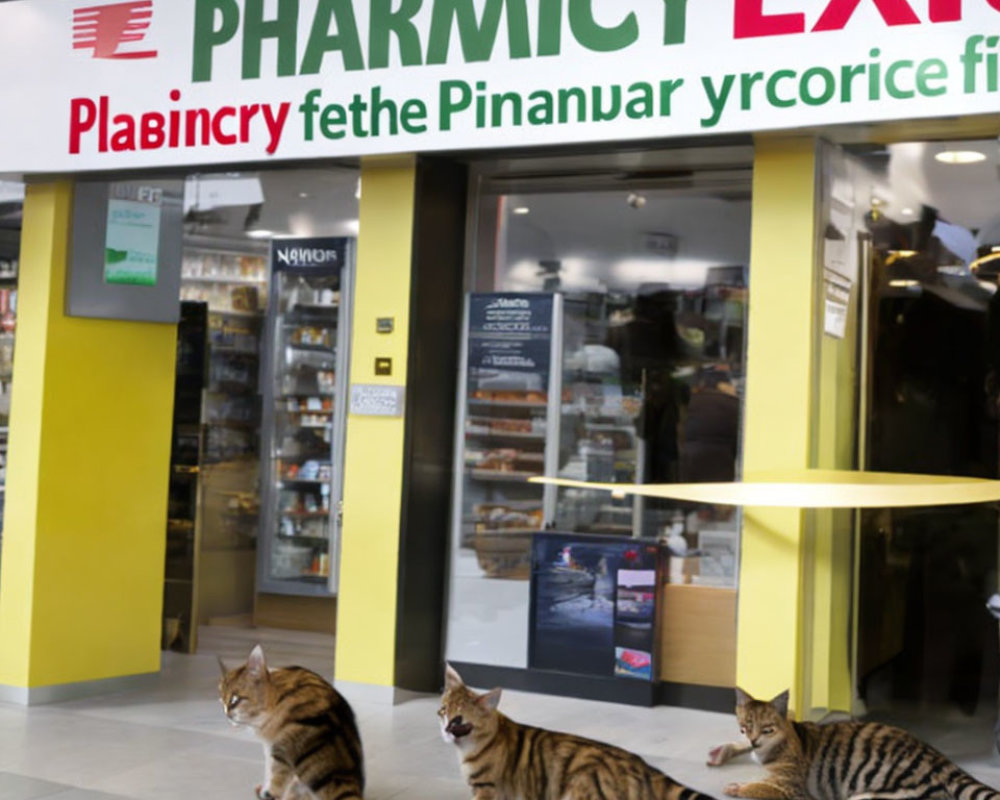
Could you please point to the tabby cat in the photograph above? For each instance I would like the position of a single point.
(504, 760)
(310, 737)
(839, 760)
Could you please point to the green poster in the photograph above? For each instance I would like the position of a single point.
(132, 242)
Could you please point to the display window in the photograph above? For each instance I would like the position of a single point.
(604, 342)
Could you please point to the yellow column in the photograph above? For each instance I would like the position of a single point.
(373, 482)
(779, 411)
(81, 581)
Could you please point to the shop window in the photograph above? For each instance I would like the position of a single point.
(637, 281)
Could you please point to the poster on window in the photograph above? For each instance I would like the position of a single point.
(132, 237)
(593, 605)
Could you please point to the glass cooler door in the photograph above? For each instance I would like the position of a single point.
(304, 426)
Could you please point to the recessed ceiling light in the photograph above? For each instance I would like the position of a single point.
(907, 212)
(960, 156)
(904, 283)
(303, 195)
(260, 233)
(521, 210)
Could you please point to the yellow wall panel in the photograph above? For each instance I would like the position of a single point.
(373, 475)
(81, 589)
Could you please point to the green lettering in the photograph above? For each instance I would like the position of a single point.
(600, 115)
(256, 29)
(667, 89)
(542, 110)
(451, 104)
(412, 116)
(549, 27)
(385, 22)
(829, 89)
(933, 69)
(641, 106)
(772, 88)
(478, 37)
(565, 96)
(507, 98)
(890, 81)
(332, 121)
(207, 37)
(322, 42)
(847, 75)
(596, 37)
(747, 81)
(675, 21)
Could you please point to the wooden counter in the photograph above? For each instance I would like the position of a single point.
(698, 635)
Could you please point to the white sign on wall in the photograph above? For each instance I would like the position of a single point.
(185, 82)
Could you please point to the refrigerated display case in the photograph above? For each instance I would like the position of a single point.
(305, 383)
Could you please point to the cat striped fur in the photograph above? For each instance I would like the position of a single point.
(849, 760)
(311, 740)
(505, 760)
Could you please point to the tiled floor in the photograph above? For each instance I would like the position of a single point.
(171, 741)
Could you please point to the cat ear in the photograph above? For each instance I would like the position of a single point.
(780, 703)
(222, 666)
(256, 664)
(742, 698)
(451, 678)
(489, 700)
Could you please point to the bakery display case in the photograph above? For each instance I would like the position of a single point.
(304, 415)
(507, 429)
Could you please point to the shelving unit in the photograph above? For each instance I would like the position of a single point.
(305, 379)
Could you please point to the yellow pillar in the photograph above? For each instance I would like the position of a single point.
(779, 412)
(373, 485)
(81, 581)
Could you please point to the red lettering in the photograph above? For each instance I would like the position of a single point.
(124, 137)
(82, 116)
(102, 125)
(153, 135)
(220, 137)
(944, 10)
(750, 20)
(839, 12)
(247, 113)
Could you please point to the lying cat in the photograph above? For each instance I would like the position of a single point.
(839, 760)
(311, 740)
(504, 760)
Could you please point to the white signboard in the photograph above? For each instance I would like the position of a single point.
(105, 85)
(376, 400)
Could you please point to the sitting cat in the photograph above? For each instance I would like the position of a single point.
(504, 760)
(839, 760)
(311, 741)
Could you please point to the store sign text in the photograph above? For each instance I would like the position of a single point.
(241, 80)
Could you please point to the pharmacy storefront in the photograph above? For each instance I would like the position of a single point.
(640, 241)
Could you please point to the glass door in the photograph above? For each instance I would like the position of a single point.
(304, 412)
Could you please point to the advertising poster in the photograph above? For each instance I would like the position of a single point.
(510, 341)
(593, 605)
(132, 240)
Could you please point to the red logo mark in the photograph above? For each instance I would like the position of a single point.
(104, 29)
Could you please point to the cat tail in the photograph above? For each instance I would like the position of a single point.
(678, 791)
(962, 786)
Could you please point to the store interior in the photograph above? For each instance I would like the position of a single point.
(648, 255)
(251, 529)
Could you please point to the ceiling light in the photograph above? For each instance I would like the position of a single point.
(904, 283)
(903, 253)
(907, 212)
(521, 210)
(303, 195)
(960, 156)
(260, 233)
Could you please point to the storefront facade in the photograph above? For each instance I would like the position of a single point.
(443, 105)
